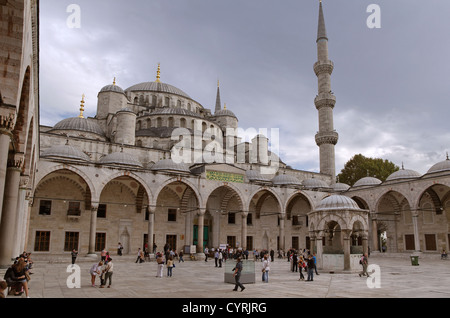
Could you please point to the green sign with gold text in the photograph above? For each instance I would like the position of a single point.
(224, 176)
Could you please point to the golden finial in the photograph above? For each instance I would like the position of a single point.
(114, 81)
(158, 74)
(225, 106)
(217, 83)
(82, 107)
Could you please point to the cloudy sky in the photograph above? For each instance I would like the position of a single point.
(392, 83)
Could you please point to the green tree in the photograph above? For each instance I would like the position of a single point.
(359, 167)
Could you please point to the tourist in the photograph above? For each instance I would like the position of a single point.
(16, 277)
(272, 255)
(265, 269)
(74, 255)
(140, 256)
(301, 265)
(160, 262)
(119, 249)
(3, 287)
(311, 265)
(94, 271)
(444, 254)
(216, 258)
(315, 263)
(108, 273)
(103, 254)
(294, 262)
(206, 253)
(220, 258)
(364, 262)
(181, 257)
(237, 275)
(170, 266)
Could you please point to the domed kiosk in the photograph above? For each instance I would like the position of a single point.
(339, 232)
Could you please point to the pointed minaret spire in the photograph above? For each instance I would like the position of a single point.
(82, 107)
(322, 30)
(218, 102)
(158, 74)
(327, 137)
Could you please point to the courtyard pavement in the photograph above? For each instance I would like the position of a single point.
(396, 278)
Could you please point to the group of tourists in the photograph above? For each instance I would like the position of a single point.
(103, 269)
(17, 276)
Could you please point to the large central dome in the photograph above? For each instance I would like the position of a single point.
(157, 87)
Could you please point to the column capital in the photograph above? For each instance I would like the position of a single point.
(15, 160)
(7, 119)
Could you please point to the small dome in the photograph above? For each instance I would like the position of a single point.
(337, 202)
(80, 124)
(112, 88)
(254, 175)
(440, 166)
(285, 179)
(170, 165)
(313, 183)
(340, 187)
(120, 158)
(403, 174)
(224, 112)
(65, 152)
(367, 182)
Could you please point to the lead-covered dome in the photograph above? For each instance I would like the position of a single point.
(340, 187)
(255, 176)
(337, 202)
(367, 182)
(286, 179)
(224, 112)
(313, 183)
(169, 165)
(440, 166)
(157, 87)
(65, 152)
(120, 158)
(403, 174)
(112, 88)
(79, 124)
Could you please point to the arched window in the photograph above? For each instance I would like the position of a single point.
(170, 122)
(158, 122)
(183, 123)
(149, 123)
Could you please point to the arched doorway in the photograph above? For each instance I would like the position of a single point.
(297, 221)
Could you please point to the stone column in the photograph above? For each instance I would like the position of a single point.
(151, 228)
(201, 217)
(319, 251)
(8, 234)
(347, 241)
(93, 230)
(21, 216)
(244, 231)
(375, 243)
(365, 244)
(6, 128)
(282, 239)
(415, 216)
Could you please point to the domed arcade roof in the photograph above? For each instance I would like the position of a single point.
(170, 165)
(440, 166)
(340, 187)
(403, 174)
(80, 124)
(337, 202)
(120, 158)
(254, 175)
(65, 152)
(313, 183)
(367, 181)
(285, 179)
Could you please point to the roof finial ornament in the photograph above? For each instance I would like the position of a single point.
(82, 107)
(158, 74)
(225, 106)
(447, 155)
(403, 167)
(114, 81)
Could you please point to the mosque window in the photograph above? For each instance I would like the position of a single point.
(45, 207)
(189, 107)
(167, 101)
(231, 241)
(158, 122)
(179, 103)
(71, 241)
(100, 241)
(183, 123)
(231, 218)
(172, 215)
(250, 242)
(170, 122)
(154, 100)
(74, 208)
(42, 241)
(149, 123)
(101, 211)
(249, 220)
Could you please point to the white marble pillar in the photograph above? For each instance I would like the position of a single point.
(151, 228)
(415, 216)
(93, 229)
(281, 229)
(244, 231)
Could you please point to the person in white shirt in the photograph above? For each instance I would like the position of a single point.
(265, 269)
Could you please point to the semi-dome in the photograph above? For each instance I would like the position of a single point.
(157, 87)
(367, 182)
(403, 174)
(340, 187)
(255, 176)
(65, 152)
(440, 166)
(286, 179)
(337, 202)
(313, 183)
(79, 124)
(120, 158)
(170, 166)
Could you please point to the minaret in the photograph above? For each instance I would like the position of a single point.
(218, 102)
(327, 137)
